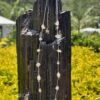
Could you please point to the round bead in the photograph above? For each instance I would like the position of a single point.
(43, 26)
(58, 63)
(38, 78)
(29, 33)
(55, 99)
(38, 64)
(57, 23)
(57, 88)
(57, 27)
(58, 36)
(40, 39)
(59, 51)
(58, 75)
(40, 90)
(47, 31)
(38, 50)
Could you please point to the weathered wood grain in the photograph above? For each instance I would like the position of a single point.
(27, 55)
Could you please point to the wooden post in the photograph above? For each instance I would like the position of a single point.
(66, 29)
(27, 55)
(1, 33)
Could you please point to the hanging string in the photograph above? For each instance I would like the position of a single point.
(38, 63)
(44, 16)
(58, 36)
(38, 8)
(58, 74)
(47, 29)
(57, 10)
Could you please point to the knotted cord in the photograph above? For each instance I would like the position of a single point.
(38, 63)
(58, 37)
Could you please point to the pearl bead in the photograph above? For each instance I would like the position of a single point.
(40, 90)
(57, 23)
(58, 63)
(40, 39)
(38, 78)
(47, 31)
(29, 33)
(38, 50)
(38, 64)
(57, 88)
(57, 27)
(58, 36)
(55, 99)
(59, 51)
(58, 75)
(43, 26)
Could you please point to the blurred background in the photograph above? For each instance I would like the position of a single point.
(85, 17)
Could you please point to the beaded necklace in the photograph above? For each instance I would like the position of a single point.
(58, 37)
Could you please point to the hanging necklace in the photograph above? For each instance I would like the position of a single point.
(58, 36)
(47, 29)
(38, 63)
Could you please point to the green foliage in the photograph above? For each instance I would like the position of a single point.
(5, 9)
(88, 40)
(96, 8)
(85, 13)
(11, 38)
(13, 9)
(19, 8)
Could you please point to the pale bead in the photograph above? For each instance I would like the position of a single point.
(57, 88)
(57, 23)
(38, 50)
(58, 63)
(47, 31)
(55, 99)
(59, 51)
(58, 75)
(40, 39)
(57, 27)
(38, 64)
(40, 90)
(58, 36)
(38, 78)
(29, 33)
(42, 26)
